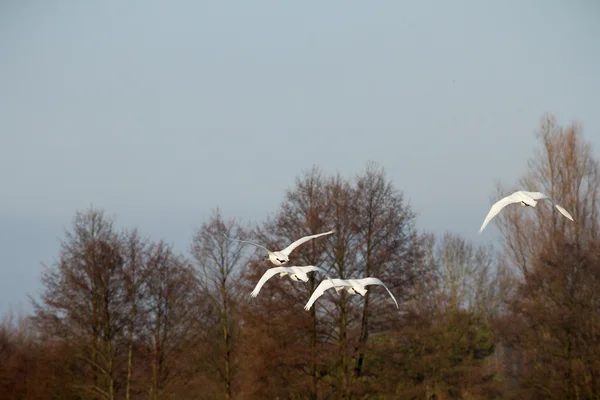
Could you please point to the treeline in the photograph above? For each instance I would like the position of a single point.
(122, 316)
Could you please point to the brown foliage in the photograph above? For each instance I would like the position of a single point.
(554, 325)
(443, 345)
(122, 308)
(122, 316)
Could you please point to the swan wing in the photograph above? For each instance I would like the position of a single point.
(308, 268)
(266, 276)
(499, 205)
(252, 243)
(535, 195)
(323, 286)
(375, 281)
(304, 239)
(563, 211)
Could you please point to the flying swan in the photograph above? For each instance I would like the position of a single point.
(353, 286)
(526, 199)
(281, 257)
(295, 273)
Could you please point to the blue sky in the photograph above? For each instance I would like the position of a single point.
(159, 111)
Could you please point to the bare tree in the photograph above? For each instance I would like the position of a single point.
(389, 246)
(446, 332)
(552, 315)
(467, 276)
(297, 344)
(303, 212)
(218, 265)
(171, 301)
(342, 255)
(82, 301)
(135, 255)
(565, 169)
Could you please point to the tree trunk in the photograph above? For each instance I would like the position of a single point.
(364, 325)
(344, 347)
(111, 380)
(153, 382)
(227, 340)
(364, 335)
(130, 354)
(313, 356)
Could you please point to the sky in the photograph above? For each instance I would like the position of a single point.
(158, 111)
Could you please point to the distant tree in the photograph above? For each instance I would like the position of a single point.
(550, 324)
(337, 308)
(468, 277)
(82, 302)
(564, 168)
(442, 348)
(172, 308)
(388, 247)
(19, 359)
(135, 250)
(218, 264)
(288, 336)
(303, 212)
(553, 329)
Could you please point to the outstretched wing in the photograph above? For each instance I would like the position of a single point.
(323, 286)
(536, 195)
(304, 239)
(375, 281)
(563, 211)
(307, 268)
(253, 244)
(266, 276)
(499, 205)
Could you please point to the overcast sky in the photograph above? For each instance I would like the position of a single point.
(159, 111)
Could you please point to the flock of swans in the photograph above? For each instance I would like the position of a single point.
(358, 286)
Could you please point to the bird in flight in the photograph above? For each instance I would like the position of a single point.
(281, 257)
(295, 273)
(353, 286)
(525, 199)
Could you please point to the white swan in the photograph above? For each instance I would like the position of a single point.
(295, 273)
(526, 199)
(353, 286)
(281, 257)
